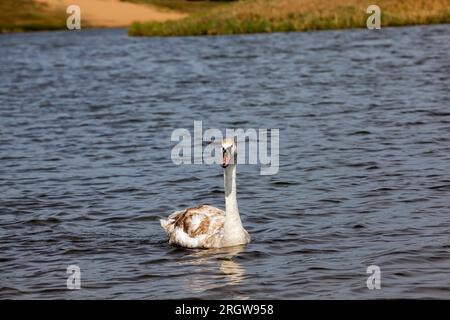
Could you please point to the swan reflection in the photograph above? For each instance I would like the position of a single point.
(206, 276)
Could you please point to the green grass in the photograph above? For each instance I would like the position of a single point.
(27, 15)
(258, 16)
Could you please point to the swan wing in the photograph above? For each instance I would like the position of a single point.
(199, 227)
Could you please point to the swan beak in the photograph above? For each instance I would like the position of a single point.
(225, 159)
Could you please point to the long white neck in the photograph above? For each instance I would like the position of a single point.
(233, 225)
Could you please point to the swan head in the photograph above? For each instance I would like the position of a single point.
(229, 153)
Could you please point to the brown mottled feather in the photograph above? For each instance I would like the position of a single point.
(198, 227)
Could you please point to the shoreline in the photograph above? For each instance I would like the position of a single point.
(266, 16)
(240, 17)
(289, 31)
(126, 30)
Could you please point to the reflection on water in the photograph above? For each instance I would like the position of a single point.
(233, 270)
(85, 168)
(223, 260)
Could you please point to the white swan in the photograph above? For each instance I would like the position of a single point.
(206, 226)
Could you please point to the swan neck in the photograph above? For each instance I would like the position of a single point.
(231, 207)
(234, 233)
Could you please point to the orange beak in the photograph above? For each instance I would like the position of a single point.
(225, 159)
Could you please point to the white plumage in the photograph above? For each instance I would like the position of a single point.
(206, 226)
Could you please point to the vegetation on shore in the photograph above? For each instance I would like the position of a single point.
(241, 16)
(27, 15)
(258, 16)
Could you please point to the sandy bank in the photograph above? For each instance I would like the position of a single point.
(114, 13)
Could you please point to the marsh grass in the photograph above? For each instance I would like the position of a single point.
(27, 15)
(259, 16)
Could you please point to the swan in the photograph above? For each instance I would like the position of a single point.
(205, 226)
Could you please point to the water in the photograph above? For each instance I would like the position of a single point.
(364, 119)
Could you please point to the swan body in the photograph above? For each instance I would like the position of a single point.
(205, 226)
